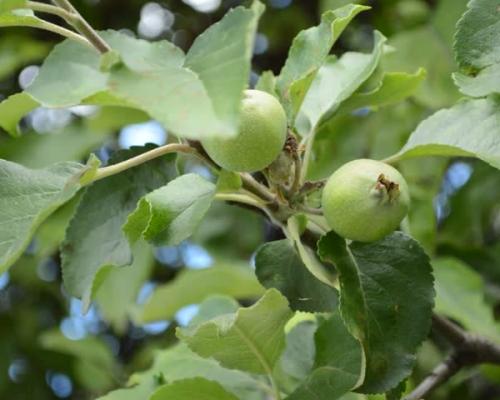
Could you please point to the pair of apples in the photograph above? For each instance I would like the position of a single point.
(364, 200)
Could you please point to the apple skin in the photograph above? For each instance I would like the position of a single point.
(260, 139)
(365, 200)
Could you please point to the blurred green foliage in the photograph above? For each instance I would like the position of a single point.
(46, 344)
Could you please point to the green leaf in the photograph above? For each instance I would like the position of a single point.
(338, 366)
(486, 82)
(20, 17)
(460, 295)
(278, 266)
(347, 137)
(445, 17)
(12, 109)
(477, 42)
(72, 71)
(150, 73)
(179, 363)
(311, 47)
(455, 132)
(228, 181)
(193, 286)
(174, 96)
(195, 388)
(267, 83)
(116, 295)
(7, 5)
(425, 181)
(91, 355)
(477, 50)
(221, 57)
(421, 47)
(336, 81)
(27, 198)
(33, 150)
(386, 300)
(396, 393)
(68, 75)
(17, 51)
(467, 228)
(307, 255)
(94, 238)
(297, 359)
(250, 340)
(393, 88)
(171, 213)
(212, 307)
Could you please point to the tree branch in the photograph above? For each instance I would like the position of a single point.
(468, 350)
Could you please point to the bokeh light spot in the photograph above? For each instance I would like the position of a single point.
(204, 6)
(4, 280)
(60, 384)
(140, 134)
(155, 20)
(186, 314)
(27, 76)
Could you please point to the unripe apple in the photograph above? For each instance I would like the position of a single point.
(260, 139)
(365, 200)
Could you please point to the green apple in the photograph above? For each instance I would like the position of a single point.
(260, 139)
(365, 200)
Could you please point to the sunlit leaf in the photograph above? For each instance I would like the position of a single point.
(27, 198)
(250, 340)
(171, 213)
(221, 57)
(486, 82)
(470, 128)
(393, 88)
(336, 81)
(310, 49)
(476, 40)
(12, 109)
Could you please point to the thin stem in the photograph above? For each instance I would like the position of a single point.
(142, 158)
(310, 210)
(240, 198)
(309, 142)
(297, 175)
(255, 187)
(49, 9)
(49, 26)
(319, 222)
(82, 26)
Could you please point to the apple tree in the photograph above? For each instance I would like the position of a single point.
(374, 257)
